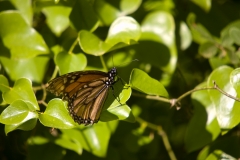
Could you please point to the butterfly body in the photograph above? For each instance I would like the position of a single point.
(85, 92)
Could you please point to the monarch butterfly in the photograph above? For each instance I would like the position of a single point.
(85, 92)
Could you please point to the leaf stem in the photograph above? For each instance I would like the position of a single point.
(162, 99)
(73, 45)
(56, 69)
(103, 63)
(43, 103)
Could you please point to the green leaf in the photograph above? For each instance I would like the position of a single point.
(95, 138)
(91, 44)
(227, 109)
(231, 54)
(110, 11)
(56, 115)
(227, 147)
(129, 6)
(112, 109)
(83, 16)
(235, 79)
(70, 62)
(37, 140)
(216, 62)
(23, 41)
(204, 4)
(32, 68)
(106, 11)
(69, 139)
(158, 31)
(203, 124)
(167, 6)
(227, 36)
(24, 7)
(199, 33)
(208, 49)
(235, 34)
(22, 90)
(18, 112)
(26, 126)
(57, 18)
(142, 82)
(4, 85)
(185, 35)
(123, 30)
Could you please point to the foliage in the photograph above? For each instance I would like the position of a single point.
(183, 48)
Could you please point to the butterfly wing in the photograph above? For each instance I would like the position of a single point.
(85, 92)
(86, 105)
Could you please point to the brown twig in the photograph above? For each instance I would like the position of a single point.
(161, 133)
(176, 101)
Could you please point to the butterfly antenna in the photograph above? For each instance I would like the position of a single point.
(112, 60)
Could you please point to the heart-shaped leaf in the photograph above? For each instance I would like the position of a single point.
(22, 90)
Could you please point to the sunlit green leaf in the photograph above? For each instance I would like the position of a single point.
(203, 124)
(129, 6)
(57, 18)
(95, 138)
(185, 34)
(31, 68)
(70, 62)
(123, 30)
(227, 109)
(226, 148)
(204, 4)
(18, 112)
(235, 79)
(26, 126)
(4, 85)
(158, 30)
(70, 140)
(24, 7)
(22, 90)
(142, 82)
(23, 41)
(57, 116)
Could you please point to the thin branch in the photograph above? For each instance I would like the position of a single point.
(225, 93)
(43, 103)
(176, 101)
(37, 88)
(161, 133)
(44, 93)
(166, 143)
(194, 90)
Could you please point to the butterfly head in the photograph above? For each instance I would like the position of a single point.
(111, 76)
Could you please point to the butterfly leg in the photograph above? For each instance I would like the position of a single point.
(123, 83)
(116, 97)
